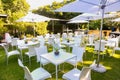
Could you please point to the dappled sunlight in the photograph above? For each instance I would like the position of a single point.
(88, 62)
(108, 67)
(116, 56)
(89, 49)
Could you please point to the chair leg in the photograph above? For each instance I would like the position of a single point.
(75, 66)
(103, 56)
(21, 54)
(7, 60)
(63, 67)
(113, 51)
(21, 57)
(29, 61)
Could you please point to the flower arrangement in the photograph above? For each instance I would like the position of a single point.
(56, 47)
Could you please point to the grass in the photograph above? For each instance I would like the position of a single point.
(13, 72)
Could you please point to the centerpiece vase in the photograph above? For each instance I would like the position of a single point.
(56, 52)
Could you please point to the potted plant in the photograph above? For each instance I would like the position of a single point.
(56, 48)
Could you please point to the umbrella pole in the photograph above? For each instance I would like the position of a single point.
(34, 30)
(98, 67)
(78, 26)
(98, 61)
(53, 26)
(88, 25)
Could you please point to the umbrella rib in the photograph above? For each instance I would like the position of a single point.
(113, 3)
(88, 2)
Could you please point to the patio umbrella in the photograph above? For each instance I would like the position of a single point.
(93, 6)
(31, 17)
(116, 20)
(77, 22)
(86, 16)
(89, 16)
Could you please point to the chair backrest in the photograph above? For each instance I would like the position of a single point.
(58, 35)
(47, 35)
(78, 51)
(42, 42)
(112, 42)
(31, 50)
(91, 39)
(64, 37)
(77, 41)
(26, 71)
(97, 44)
(40, 50)
(51, 40)
(85, 74)
(21, 42)
(70, 35)
(5, 48)
(20, 63)
(14, 42)
(57, 40)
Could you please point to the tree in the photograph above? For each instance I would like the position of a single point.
(15, 8)
(1, 7)
(41, 28)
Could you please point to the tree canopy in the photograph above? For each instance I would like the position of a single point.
(15, 8)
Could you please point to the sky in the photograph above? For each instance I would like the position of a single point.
(34, 4)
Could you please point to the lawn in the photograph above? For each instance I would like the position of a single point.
(12, 71)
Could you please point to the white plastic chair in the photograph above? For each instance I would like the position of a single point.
(91, 40)
(10, 53)
(37, 74)
(76, 74)
(70, 36)
(21, 45)
(78, 51)
(64, 37)
(39, 51)
(31, 52)
(42, 40)
(14, 42)
(50, 41)
(102, 48)
(77, 41)
(111, 42)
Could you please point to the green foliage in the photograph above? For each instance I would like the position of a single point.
(15, 8)
(49, 12)
(41, 28)
(20, 26)
(1, 7)
(95, 24)
(2, 28)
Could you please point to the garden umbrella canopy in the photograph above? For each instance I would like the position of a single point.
(91, 6)
(116, 20)
(31, 17)
(78, 21)
(89, 16)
